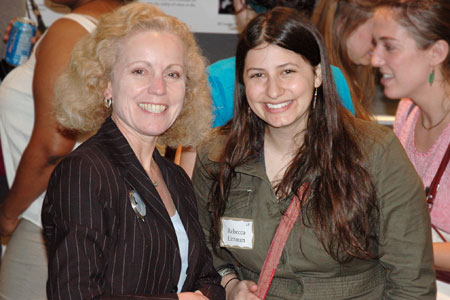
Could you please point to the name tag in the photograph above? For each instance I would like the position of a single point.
(237, 233)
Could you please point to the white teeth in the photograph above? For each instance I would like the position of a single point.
(387, 76)
(153, 108)
(279, 105)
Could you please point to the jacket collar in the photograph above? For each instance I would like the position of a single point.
(136, 177)
(123, 156)
(252, 167)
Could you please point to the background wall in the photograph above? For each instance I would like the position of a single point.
(9, 9)
(217, 46)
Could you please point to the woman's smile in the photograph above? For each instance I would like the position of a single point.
(278, 107)
(153, 108)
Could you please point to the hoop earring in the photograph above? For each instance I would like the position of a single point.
(431, 78)
(315, 98)
(108, 102)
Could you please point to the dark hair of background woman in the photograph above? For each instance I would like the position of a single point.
(342, 206)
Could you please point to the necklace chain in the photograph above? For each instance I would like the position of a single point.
(435, 125)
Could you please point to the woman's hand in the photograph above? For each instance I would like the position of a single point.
(197, 295)
(7, 224)
(242, 290)
(34, 39)
(8, 30)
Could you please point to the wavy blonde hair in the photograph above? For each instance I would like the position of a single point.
(79, 93)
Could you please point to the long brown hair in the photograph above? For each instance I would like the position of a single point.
(342, 205)
(336, 20)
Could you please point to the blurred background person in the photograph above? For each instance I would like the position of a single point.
(135, 232)
(7, 9)
(363, 227)
(346, 26)
(412, 52)
(32, 145)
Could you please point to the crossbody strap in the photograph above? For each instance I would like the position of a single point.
(410, 110)
(434, 186)
(432, 190)
(40, 23)
(278, 242)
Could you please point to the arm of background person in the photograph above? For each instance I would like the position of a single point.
(187, 159)
(342, 89)
(221, 83)
(442, 256)
(47, 144)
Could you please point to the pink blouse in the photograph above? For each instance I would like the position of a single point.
(426, 163)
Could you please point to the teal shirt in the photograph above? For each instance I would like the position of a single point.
(221, 80)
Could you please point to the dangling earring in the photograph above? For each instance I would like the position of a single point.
(315, 98)
(431, 77)
(249, 111)
(108, 102)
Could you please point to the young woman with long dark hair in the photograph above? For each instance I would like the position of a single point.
(363, 228)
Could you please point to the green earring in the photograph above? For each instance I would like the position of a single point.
(431, 77)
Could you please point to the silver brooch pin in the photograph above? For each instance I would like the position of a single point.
(137, 204)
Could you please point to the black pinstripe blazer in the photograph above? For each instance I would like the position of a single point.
(98, 248)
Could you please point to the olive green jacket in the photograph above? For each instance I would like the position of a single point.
(404, 269)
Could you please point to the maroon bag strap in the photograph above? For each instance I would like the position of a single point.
(434, 186)
(432, 190)
(279, 240)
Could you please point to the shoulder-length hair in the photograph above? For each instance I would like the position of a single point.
(336, 21)
(342, 205)
(79, 93)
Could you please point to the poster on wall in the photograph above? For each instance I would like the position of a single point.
(202, 16)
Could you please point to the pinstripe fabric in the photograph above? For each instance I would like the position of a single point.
(98, 247)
